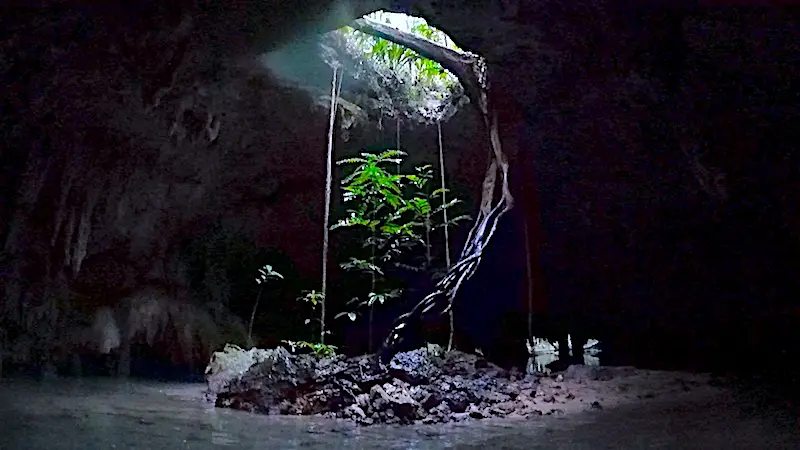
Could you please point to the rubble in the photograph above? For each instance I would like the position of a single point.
(430, 386)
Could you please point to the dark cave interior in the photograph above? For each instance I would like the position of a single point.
(652, 152)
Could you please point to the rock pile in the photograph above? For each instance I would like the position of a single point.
(423, 386)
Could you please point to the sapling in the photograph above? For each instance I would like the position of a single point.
(314, 298)
(265, 274)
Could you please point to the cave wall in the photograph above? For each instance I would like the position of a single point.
(661, 149)
(126, 138)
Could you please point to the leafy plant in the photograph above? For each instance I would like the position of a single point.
(392, 210)
(377, 206)
(427, 199)
(265, 274)
(319, 349)
(315, 298)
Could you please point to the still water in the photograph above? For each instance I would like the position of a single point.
(110, 414)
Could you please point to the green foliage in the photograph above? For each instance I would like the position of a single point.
(394, 213)
(313, 297)
(319, 350)
(404, 60)
(421, 182)
(373, 297)
(362, 265)
(402, 82)
(378, 202)
(267, 273)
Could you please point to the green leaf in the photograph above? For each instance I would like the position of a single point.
(350, 315)
(351, 161)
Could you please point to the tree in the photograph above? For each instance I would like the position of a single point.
(335, 65)
(265, 274)
(471, 71)
(397, 213)
(389, 219)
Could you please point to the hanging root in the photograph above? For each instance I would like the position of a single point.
(406, 326)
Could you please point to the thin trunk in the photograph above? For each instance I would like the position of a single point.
(397, 140)
(326, 219)
(446, 234)
(428, 256)
(253, 318)
(444, 198)
(371, 290)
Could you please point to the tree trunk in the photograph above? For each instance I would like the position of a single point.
(446, 234)
(328, 182)
(464, 66)
(371, 290)
(253, 318)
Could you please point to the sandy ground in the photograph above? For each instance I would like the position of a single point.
(582, 387)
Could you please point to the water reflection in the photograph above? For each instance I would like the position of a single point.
(539, 361)
(543, 353)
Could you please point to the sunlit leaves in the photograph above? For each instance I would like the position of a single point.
(372, 186)
(394, 212)
(407, 83)
(266, 273)
(313, 297)
(352, 315)
(362, 265)
(319, 350)
(375, 297)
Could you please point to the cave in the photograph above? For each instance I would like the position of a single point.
(156, 156)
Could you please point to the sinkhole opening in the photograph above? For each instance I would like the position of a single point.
(390, 70)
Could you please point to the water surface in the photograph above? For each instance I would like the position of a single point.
(109, 414)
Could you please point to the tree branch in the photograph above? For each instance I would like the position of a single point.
(462, 65)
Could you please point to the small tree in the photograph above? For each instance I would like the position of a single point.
(314, 298)
(377, 206)
(265, 274)
(394, 210)
(437, 205)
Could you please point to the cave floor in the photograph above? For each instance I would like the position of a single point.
(110, 414)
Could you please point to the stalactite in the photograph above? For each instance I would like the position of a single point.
(68, 235)
(62, 208)
(35, 177)
(84, 231)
